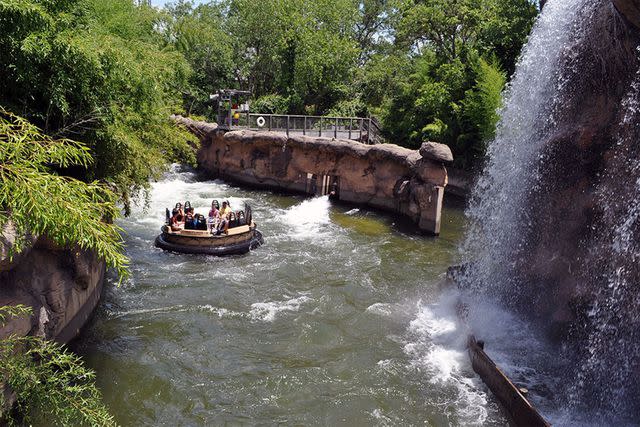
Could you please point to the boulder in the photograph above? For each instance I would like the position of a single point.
(437, 152)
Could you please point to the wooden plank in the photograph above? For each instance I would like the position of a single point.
(518, 408)
(238, 230)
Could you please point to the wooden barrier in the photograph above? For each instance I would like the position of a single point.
(518, 408)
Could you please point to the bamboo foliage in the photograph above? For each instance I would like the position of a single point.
(39, 200)
(51, 385)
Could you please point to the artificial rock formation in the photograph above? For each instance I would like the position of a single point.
(382, 176)
(630, 9)
(62, 286)
(557, 231)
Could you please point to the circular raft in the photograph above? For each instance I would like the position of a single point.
(239, 240)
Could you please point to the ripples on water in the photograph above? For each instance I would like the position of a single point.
(334, 321)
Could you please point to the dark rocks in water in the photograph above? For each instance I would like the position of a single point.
(437, 152)
(630, 9)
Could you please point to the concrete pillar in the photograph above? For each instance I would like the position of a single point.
(431, 215)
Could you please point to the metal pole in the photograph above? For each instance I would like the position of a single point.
(369, 132)
(361, 125)
(270, 123)
(320, 126)
(335, 130)
(350, 126)
(304, 125)
(288, 125)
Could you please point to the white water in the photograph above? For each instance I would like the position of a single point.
(498, 208)
(597, 386)
(319, 326)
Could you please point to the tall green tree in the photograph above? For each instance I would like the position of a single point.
(95, 70)
(415, 64)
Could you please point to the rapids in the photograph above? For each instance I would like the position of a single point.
(335, 320)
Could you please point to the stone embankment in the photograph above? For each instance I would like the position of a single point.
(62, 286)
(388, 177)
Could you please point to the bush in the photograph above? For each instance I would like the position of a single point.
(51, 385)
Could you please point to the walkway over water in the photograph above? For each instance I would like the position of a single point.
(365, 130)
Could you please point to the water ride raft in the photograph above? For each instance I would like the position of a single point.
(237, 240)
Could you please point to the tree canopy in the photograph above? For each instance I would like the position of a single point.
(429, 69)
(99, 72)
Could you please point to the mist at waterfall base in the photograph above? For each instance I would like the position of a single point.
(335, 320)
(553, 236)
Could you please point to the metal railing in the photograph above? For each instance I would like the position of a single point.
(365, 130)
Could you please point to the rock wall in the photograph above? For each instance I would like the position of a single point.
(557, 236)
(62, 286)
(383, 176)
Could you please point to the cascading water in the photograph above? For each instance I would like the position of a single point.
(500, 219)
(555, 219)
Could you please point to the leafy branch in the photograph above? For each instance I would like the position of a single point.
(39, 201)
(51, 385)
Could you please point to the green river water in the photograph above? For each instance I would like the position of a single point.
(337, 319)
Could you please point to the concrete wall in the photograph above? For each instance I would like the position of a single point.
(383, 176)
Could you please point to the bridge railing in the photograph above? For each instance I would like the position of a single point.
(360, 129)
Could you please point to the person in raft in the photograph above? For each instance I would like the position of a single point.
(189, 219)
(214, 216)
(225, 211)
(177, 219)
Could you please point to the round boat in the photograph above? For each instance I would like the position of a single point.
(237, 240)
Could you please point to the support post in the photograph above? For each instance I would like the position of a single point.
(431, 215)
(304, 125)
(335, 130)
(350, 126)
(288, 117)
(320, 127)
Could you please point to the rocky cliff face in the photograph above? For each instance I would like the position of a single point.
(558, 222)
(630, 9)
(383, 176)
(61, 285)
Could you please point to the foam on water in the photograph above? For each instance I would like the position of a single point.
(205, 322)
(437, 348)
(309, 218)
(267, 311)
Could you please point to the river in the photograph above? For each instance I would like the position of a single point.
(338, 319)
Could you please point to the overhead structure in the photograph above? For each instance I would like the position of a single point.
(231, 104)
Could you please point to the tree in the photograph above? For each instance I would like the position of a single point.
(51, 384)
(95, 70)
(37, 200)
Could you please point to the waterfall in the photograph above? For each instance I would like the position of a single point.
(555, 219)
(498, 210)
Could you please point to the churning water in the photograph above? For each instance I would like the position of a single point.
(334, 321)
